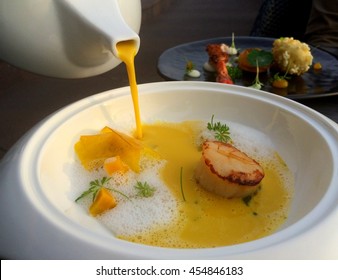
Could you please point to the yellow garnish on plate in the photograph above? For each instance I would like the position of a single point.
(317, 66)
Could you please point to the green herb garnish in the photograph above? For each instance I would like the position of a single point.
(181, 183)
(278, 77)
(95, 186)
(247, 199)
(233, 41)
(234, 72)
(222, 132)
(144, 189)
(257, 84)
(189, 66)
(232, 49)
(260, 57)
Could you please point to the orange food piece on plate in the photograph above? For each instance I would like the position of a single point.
(115, 164)
(244, 64)
(104, 201)
(93, 150)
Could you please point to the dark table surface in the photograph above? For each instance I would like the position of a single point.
(26, 98)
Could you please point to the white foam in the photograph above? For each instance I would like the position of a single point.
(142, 213)
(253, 142)
(136, 214)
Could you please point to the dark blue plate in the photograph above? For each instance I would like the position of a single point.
(313, 84)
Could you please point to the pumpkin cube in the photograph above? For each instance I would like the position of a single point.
(104, 201)
(115, 164)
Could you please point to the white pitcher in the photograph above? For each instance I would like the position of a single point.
(67, 38)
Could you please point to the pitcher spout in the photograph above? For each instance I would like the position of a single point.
(105, 17)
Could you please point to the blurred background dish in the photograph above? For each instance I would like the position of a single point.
(312, 84)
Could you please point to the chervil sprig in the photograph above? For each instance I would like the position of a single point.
(181, 183)
(144, 189)
(222, 131)
(95, 186)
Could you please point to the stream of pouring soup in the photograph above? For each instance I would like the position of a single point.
(203, 219)
(127, 51)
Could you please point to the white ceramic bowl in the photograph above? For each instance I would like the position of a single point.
(39, 220)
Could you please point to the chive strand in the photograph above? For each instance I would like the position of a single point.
(181, 183)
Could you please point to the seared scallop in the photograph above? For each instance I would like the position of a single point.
(227, 171)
